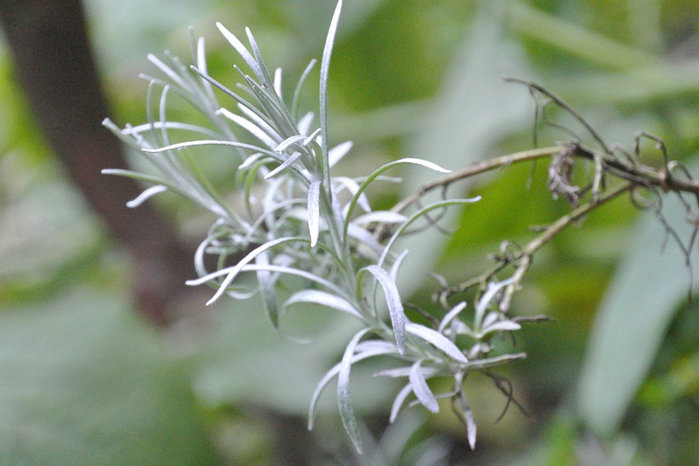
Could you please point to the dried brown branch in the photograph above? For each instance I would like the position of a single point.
(561, 103)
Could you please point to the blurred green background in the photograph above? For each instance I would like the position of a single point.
(83, 380)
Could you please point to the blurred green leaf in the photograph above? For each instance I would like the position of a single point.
(681, 380)
(633, 318)
(592, 47)
(556, 447)
(305, 16)
(126, 31)
(85, 382)
(637, 87)
(475, 109)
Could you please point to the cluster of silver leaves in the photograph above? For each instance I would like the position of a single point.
(301, 220)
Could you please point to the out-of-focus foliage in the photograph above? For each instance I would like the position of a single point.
(620, 359)
(82, 382)
(85, 383)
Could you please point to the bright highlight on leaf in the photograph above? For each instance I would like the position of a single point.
(325, 299)
(421, 389)
(314, 212)
(152, 191)
(393, 301)
(437, 339)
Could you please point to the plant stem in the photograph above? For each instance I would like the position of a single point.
(641, 174)
(478, 168)
(638, 174)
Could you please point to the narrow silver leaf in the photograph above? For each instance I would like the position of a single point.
(278, 82)
(485, 300)
(135, 130)
(351, 185)
(242, 51)
(325, 299)
(266, 281)
(297, 91)
(436, 339)
(421, 389)
(338, 152)
(250, 161)
(364, 236)
(375, 346)
(405, 372)
(490, 318)
(210, 142)
(288, 141)
(344, 401)
(250, 127)
(398, 401)
(363, 350)
(381, 216)
(232, 272)
(395, 306)
(424, 163)
(451, 315)
(262, 123)
(169, 72)
(201, 55)
(505, 325)
(382, 169)
(396, 265)
(314, 211)
(141, 198)
(324, 71)
(304, 124)
(471, 428)
(280, 269)
(265, 78)
(312, 137)
(282, 166)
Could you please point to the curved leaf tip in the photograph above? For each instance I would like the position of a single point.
(393, 301)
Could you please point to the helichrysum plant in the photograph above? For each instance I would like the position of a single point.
(307, 228)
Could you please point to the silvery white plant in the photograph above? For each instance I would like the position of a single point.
(301, 219)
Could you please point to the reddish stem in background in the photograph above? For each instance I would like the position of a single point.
(54, 64)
